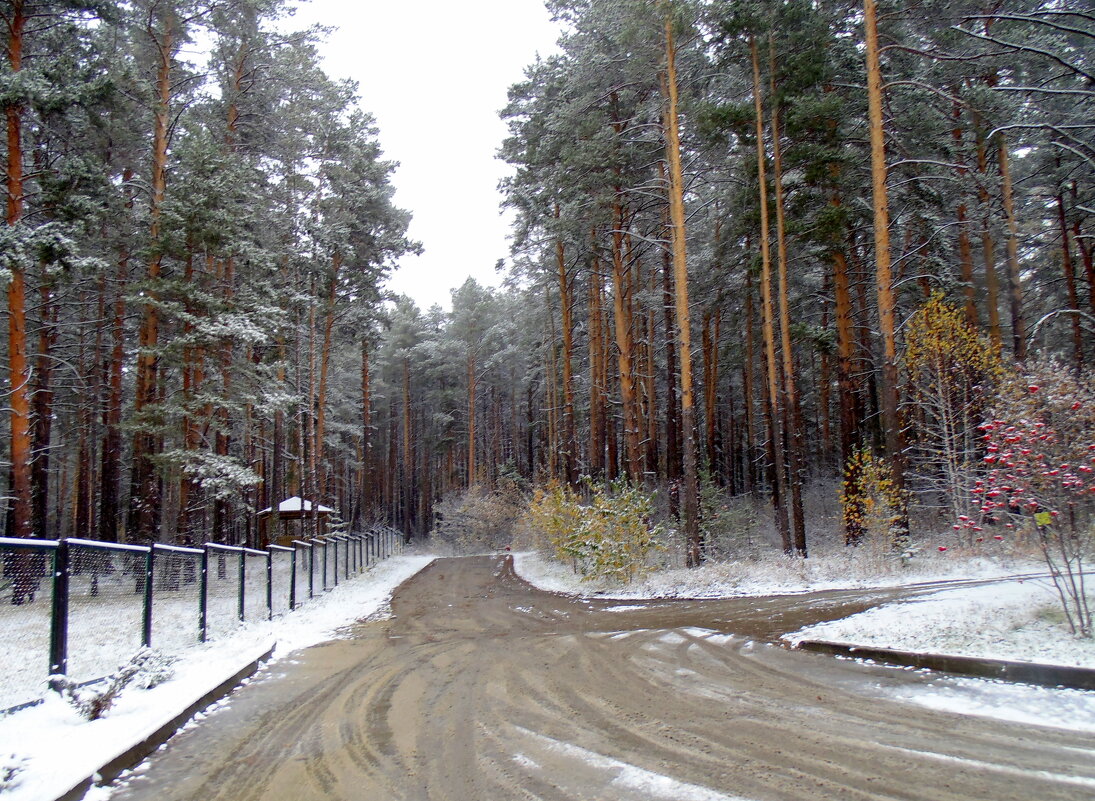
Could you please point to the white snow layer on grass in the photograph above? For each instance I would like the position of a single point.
(826, 569)
(1019, 703)
(53, 749)
(1017, 620)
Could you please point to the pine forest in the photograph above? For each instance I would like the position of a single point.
(784, 273)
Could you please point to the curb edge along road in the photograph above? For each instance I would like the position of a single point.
(133, 755)
(1019, 672)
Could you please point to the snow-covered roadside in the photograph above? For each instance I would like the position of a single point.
(52, 749)
(1017, 620)
(778, 575)
(1013, 621)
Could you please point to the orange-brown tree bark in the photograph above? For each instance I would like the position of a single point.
(18, 363)
(887, 307)
(792, 407)
(145, 506)
(775, 438)
(690, 487)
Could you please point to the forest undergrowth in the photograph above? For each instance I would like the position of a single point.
(741, 545)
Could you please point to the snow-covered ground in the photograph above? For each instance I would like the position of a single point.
(49, 748)
(1019, 619)
(1015, 620)
(832, 569)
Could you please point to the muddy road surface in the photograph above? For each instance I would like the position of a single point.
(481, 688)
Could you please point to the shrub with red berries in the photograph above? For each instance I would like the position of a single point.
(1039, 451)
(1040, 474)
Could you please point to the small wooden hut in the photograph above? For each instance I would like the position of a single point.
(292, 512)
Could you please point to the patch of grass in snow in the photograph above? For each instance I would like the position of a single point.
(1052, 614)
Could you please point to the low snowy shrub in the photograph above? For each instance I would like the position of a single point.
(732, 527)
(610, 535)
(479, 518)
(11, 765)
(153, 668)
(1039, 476)
(871, 503)
(146, 669)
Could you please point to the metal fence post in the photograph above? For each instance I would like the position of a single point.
(146, 621)
(293, 579)
(243, 584)
(336, 563)
(203, 596)
(311, 572)
(269, 584)
(58, 630)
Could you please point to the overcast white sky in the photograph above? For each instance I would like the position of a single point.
(434, 73)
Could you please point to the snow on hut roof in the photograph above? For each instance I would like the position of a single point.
(296, 504)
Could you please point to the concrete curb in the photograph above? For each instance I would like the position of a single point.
(1020, 672)
(138, 751)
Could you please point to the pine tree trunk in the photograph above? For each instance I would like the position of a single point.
(825, 382)
(83, 523)
(471, 419)
(596, 370)
(1015, 286)
(18, 364)
(749, 475)
(223, 441)
(408, 453)
(566, 306)
(621, 306)
(552, 371)
(851, 405)
(145, 503)
(1087, 251)
(709, 347)
(110, 470)
(1070, 285)
(775, 440)
(891, 422)
(324, 369)
(653, 452)
(367, 499)
(42, 410)
(988, 247)
(965, 251)
(792, 408)
(672, 406)
(690, 488)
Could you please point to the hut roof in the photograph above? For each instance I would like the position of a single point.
(297, 505)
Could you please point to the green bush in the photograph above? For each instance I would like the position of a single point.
(608, 534)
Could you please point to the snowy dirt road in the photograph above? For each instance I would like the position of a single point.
(481, 688)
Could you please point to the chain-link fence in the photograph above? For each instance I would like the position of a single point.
(176, 596)
(26, 604)
(81, 607)
(283, 593)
